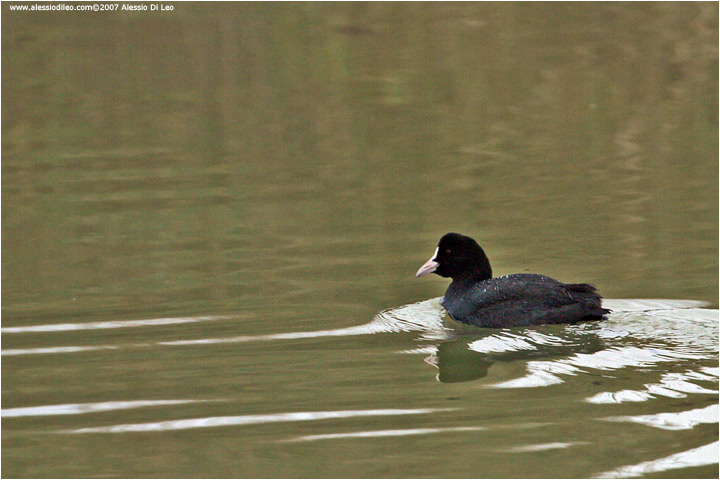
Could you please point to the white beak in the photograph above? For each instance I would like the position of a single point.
(429, 267)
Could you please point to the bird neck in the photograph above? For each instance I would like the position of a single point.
(484, 272)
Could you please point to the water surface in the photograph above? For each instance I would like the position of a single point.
(212, 217)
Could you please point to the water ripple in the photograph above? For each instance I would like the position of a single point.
(209, 422)
(64, 327)
(655, 320)
(422, 316)
(80, 408)
(673, 385)
(50, 350)
(667, 335)
(673, 421)
(649, 304)
(506, 341)
(541, 447)
(696, 457)
(382, 433)
(543, 373)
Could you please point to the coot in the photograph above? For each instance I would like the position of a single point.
(475, 297)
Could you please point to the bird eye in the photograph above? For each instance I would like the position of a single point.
(448, 251)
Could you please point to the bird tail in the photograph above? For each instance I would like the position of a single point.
(590, 290)
(581, 288)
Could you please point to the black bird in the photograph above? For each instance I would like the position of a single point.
(476, 298)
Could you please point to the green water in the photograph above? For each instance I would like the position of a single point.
(285, 168)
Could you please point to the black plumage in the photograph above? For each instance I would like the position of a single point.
(476, 298)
